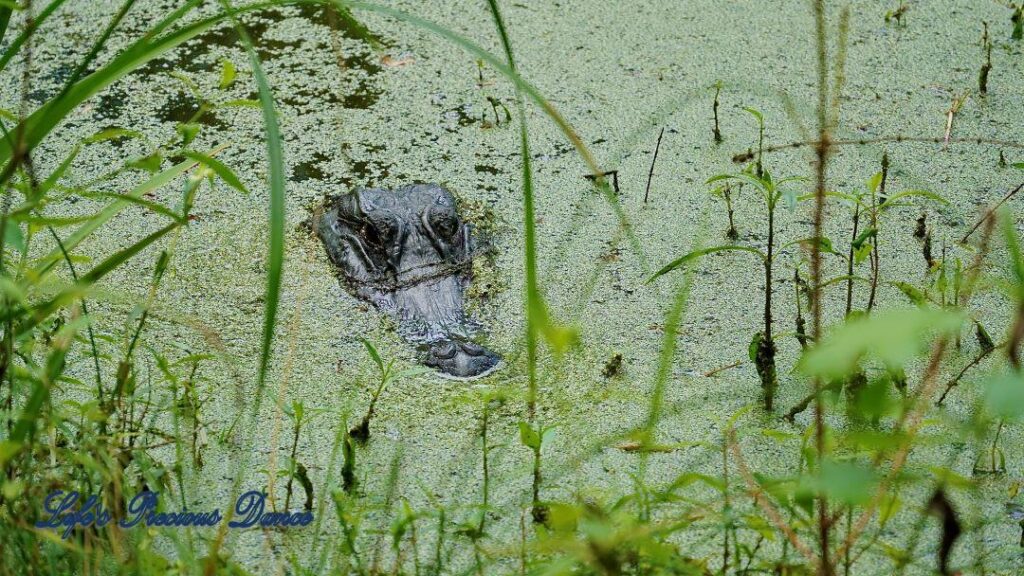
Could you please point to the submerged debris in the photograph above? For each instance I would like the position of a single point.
(613, 367)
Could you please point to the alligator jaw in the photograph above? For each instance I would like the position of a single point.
(460, 359)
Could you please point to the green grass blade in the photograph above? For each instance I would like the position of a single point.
(41, 122)
(679, 262)
(275, 257)
(5, 19)
(18, 42)
(536, 314)
(43, 311)
(156, 182)
(220, 169)
(155, 207)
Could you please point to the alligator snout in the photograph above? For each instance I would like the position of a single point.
(409, 253)
(461, 358)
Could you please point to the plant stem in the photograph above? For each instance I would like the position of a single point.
(714, 108)
(822, 150)
(849, 260)
(986, 67)
(765, 357)
(731, 233)
(486, 470)
(291, 466)
(876, 260)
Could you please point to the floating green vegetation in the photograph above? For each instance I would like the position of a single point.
(621, 459)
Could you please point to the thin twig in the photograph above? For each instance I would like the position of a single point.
(954, 382)
(650, 173)
(723, 368)
(747, 156)
(990, 211)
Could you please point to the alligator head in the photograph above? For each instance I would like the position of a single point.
(408, 253)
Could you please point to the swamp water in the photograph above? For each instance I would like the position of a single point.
(414, 108)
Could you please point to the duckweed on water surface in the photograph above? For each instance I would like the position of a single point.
(155, 187)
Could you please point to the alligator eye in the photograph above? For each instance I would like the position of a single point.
(380, 232)
(444, 350)
(444, 223)
(369, 233)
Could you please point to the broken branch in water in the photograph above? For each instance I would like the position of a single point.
(749, 155)
(613, 173)
(650, 173)
(722, 368)
(991, 211)
(958, 102)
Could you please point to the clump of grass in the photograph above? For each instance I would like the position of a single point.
(897, 14)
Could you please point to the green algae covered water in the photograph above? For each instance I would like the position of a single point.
(390, 105)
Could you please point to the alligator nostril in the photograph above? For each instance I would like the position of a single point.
(473, 349)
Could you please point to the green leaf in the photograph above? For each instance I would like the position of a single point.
(744, 176)
(154, 206)
(13, 236)
(863, 237)
(984, 339)
(1004, 396)
(227, 74)
(242, 103)
(874, 182)
(861, 254)
(548, 435)
(528, 436)
(679, 262)
(847, 482)
(893, 200)
(891, 337)
(220, 169)
(755, 343)
(824, 243)
(113, 134)
(188, 132)
(374, 355)
(756, 114)
(916, 295)
(149, 163)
